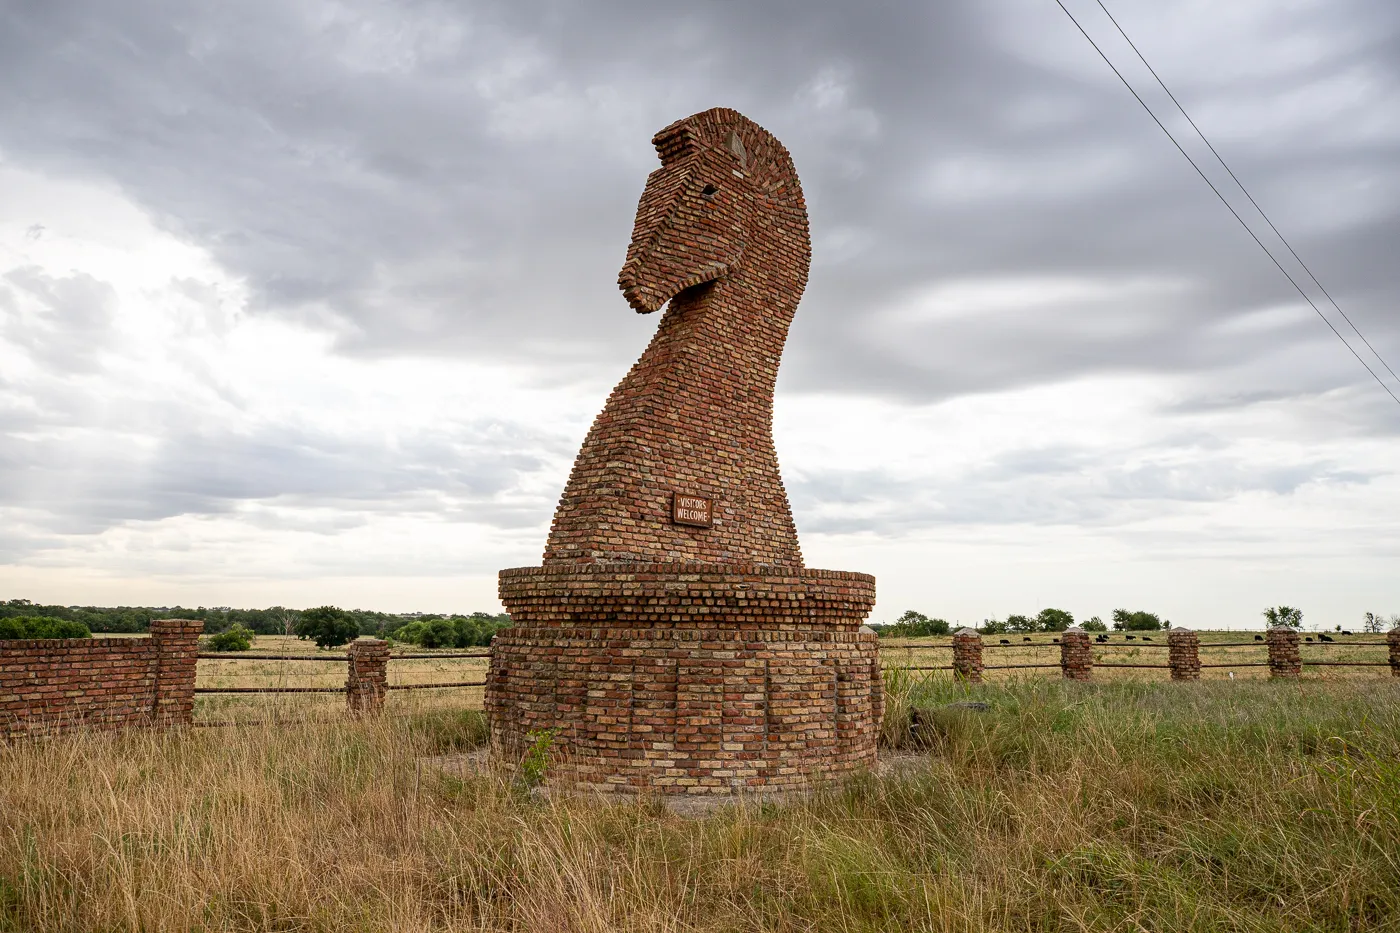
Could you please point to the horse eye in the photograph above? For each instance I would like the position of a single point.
(709, 191)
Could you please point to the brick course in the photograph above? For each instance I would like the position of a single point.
(51, 684)
(1393, 639)
(692, 658)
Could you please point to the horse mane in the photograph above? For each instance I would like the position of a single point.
(755, 151)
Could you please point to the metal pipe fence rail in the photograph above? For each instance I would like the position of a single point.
(367, 662)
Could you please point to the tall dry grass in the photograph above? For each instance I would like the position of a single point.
(1250, 806)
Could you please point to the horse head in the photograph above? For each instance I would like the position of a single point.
(725, 186)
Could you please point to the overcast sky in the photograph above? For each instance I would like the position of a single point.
(308, 302)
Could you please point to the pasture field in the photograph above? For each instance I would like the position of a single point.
(1116, 806)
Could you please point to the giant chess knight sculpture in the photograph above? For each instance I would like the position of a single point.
(672, 639)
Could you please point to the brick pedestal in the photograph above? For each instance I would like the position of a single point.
(688, 679)
(1393, 639)
(367, 677)
(1076, 654)
(967, 656)
(1184, 654)
(1285, 659)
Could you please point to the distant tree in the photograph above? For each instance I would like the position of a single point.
(1284, 615)
(327, 626)
(1053, 620)
(1375, 624)
(41, 627)
(233, 638)
(1020, 623)
(992, 627)
(917, 625)
(1093, 624)
(1125, 621)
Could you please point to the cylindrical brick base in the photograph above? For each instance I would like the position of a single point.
(1184, 654)
(367, 678)
(1076, 654)
(1285, 658)
(688, 679)
(967, 656)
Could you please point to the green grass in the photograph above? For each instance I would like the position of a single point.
(1124, 806)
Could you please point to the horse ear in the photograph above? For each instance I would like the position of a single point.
(736, 146)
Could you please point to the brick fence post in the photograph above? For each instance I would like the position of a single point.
(1184, 654)
(1076, 654)
(367, 677)
(1393, 638)
(176, 642)
(1284, 657)
(967, 656)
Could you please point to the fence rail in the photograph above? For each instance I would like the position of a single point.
(367, 662)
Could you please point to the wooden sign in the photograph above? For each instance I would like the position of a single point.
(692, 510)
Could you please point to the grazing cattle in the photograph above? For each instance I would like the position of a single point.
(1025, 638)
(1261, 637)
(1309, 638)
(1005, 642)
(1147, 638)
(1345, 632)
(1130, 637)
(1057, 641)
(1324, 638)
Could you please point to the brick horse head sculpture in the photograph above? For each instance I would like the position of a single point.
(721, 233)
(672, 640)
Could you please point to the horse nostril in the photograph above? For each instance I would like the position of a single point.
(709, 191)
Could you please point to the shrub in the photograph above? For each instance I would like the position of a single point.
(42, 627)
(233, 638)
(328, 626)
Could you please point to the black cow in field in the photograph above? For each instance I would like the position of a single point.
(1324, 637)
(1025, 638)
(1261, 637)
(1005, 642)
(1345, 632)
(1130, 637)
(1309, 638)
(1057, 641)
(1147, 638)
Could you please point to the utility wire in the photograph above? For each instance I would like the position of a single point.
(1242, 188)
(1227, 204)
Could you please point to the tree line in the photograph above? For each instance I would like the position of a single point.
(326, 625)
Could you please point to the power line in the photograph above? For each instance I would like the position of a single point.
(1242, 188)
(1227, 204)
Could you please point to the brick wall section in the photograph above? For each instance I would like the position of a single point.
(1393, 638)
(1285, 658)
(1076, 654)
(1184, 654)
(688, 679)
(51, 684)
(967, 656)
(367, 675)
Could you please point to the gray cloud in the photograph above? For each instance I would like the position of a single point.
(440, 179)
(433, 178)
